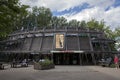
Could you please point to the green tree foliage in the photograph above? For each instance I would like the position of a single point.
(101, 26)
(117, 32)
(93, 24)
(83, 24)
(117, 37)
(62, 21)
(74, 23)
(109, 33)
(58, 21)
(10, 10)
(21, 17)
(7, 11)
(42, 16)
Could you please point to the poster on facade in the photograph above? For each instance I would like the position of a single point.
(59, 38)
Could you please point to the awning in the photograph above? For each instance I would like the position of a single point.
(86, 52)
(15, 51)
(102, 40)
(70, 51)
(30, 52)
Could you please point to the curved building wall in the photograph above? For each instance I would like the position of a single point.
(72, 43)
(84, 43)
(68, 46)
(45, 40)
(47, 43)
(36, 44)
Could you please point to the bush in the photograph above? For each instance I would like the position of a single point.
(46, 62)
(112, 65)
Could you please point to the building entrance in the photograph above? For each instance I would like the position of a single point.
(72, 59)
(66, 58)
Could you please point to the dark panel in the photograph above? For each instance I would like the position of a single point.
(84, 43)
(47, 43)
(36, 44)
(27, 44)
(72, 43)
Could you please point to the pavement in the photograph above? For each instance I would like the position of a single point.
(61, 73)
(107, 70)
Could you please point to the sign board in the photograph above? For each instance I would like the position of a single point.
(59, 41)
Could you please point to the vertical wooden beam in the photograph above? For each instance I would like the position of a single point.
(65, 42)
(86, 57)
(80, 60)
(92, 54)
(41, 42)
(22, 44)
(32, 38)
(90, 42)
(93, 58)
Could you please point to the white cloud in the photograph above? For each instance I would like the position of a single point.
(100, 3)
(97, 10)
(84, 14)
(111, 17)
(61, 5)
(58, 5)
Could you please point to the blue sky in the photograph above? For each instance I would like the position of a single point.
(72, 10)
(107, 10)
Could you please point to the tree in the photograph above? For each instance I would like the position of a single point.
(21, 17)
(117, 38)
(42, 16)
(117, 32)
(58, 21)
(62, 21)
(83, 24)
(9, 12)
(109, 33)
(100, 26)
(93, 24)
(74, 23)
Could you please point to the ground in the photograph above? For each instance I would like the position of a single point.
(61, 73)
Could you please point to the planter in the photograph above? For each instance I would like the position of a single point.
(38, 66)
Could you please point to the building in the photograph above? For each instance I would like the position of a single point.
(65, 46)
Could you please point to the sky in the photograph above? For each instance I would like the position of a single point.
(107, 10)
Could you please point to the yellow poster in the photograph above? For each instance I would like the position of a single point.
(59, 38)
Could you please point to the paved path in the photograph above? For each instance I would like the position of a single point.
(61, 73)
(106, 70)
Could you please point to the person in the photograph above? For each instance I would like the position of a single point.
(109, 61)
(24, 63)
(13, 63)
(41, 60)
(116, 61)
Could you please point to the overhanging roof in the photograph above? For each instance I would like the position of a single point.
(102, 40)
(70, 51)
(30, 52)
(57, 51)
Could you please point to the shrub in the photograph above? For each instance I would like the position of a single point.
(46, 62)
(112, 65)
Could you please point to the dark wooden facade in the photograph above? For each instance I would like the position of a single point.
(80, 46)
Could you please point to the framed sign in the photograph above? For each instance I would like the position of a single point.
(59, 41)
